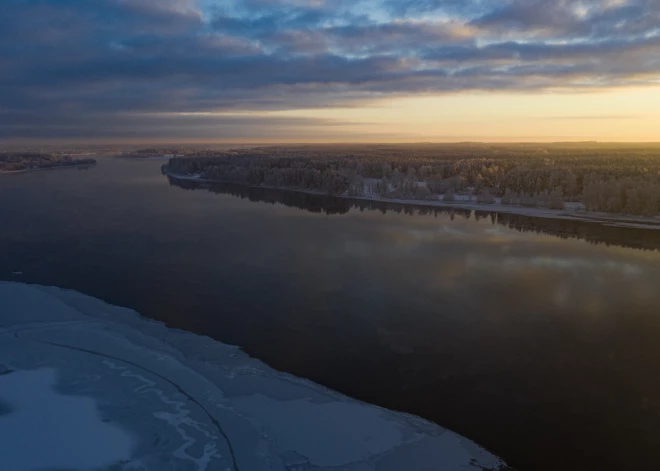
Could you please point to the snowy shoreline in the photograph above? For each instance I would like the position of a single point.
(169, 400)
(572, 212)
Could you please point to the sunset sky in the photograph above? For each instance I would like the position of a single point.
(329, 70)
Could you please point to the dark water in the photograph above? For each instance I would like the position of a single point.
(522, 334)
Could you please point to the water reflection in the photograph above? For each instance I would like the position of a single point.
(503, 327)
(488, 324)
(592, 232)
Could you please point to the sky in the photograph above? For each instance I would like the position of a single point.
(269, 71)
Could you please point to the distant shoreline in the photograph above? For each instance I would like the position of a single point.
(57, 167)
(140, 157)
(570, 213)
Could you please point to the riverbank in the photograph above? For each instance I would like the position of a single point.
(572, 211)
(169, 399)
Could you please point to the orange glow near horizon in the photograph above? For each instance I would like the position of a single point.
(620, 115)
(614, 115)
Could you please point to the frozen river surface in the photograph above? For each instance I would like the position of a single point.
(86, 385)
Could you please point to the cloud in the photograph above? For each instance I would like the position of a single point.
(161, 126)
(139, 57)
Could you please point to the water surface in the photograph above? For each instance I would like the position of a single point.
(537, 339)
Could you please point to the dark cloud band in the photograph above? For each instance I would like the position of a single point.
(132, 57)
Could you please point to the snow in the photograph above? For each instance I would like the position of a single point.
(68, 429)
(92, 385)
(333, 444)
(192, 176)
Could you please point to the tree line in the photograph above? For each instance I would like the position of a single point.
(15, 162)
(610, 178)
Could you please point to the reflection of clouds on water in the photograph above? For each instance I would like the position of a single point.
(560, 280)
(430, 257)
(561, 295)
(357, 248)
(515, 263)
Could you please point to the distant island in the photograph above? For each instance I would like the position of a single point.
(602, 182)
(16, 162)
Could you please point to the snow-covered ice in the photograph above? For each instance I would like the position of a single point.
(45, 429)
(87, 385)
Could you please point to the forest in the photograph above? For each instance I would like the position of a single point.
(21, 161)
(157, 152)
(614, 178)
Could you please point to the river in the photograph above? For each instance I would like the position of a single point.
(539, 340)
